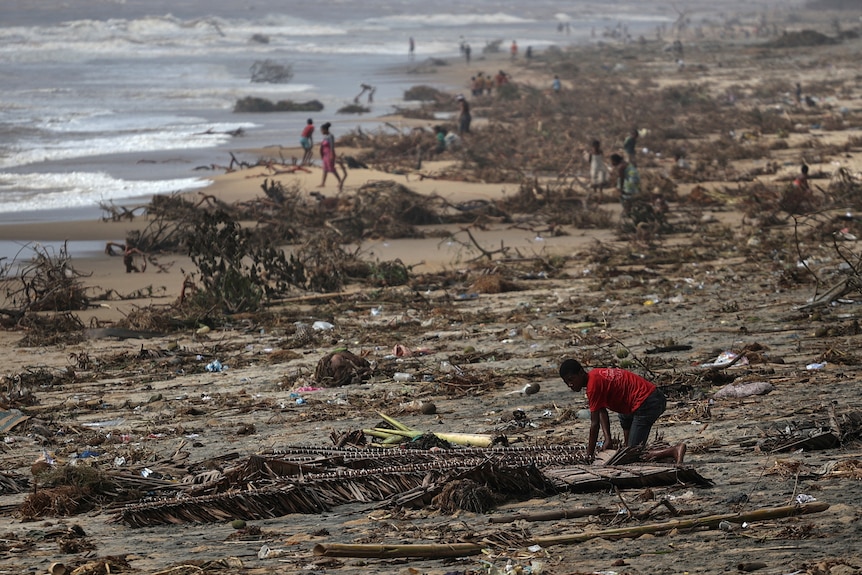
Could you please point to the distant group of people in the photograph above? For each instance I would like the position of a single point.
(625, 177)
(484, 84)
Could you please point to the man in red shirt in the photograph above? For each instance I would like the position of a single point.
(638, 402)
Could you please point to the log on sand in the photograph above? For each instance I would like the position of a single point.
(438, 550)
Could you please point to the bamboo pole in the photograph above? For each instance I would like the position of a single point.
(710, 521)
(433, 550)
(373, 550)
(550, 515)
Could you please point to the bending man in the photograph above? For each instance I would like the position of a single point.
(638, 402)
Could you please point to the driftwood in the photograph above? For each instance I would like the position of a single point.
(551, 515)
(464, 549)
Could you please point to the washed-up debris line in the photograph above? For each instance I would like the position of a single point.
(314, 480)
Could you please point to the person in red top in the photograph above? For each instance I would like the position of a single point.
(306, 140)
(638, 402)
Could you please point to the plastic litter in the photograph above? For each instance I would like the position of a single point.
(215, 366)
(725, 358)
(322, 326)
(402, 376)
(108, 423)
(803, 498)
(815, 366)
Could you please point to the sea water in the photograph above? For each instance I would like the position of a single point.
(116, 100)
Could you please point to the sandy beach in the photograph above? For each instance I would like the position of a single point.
(516, 265)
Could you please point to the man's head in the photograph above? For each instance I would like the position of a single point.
(573, 374)
(616, 159)
(325, 126)
(309, 121)
(805, 169)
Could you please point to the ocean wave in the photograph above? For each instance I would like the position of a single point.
(449, 20)
(39, 191)
(80, 146)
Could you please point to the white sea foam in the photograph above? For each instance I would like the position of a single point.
(454, 20)
(111, 80)
(80, 146)
(28, 192)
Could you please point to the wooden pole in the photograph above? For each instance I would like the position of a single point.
(430, 550)
(550, 515)
(436, 550)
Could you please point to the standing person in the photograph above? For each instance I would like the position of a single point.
(801, 181)
(638, 402)
(327, 156)
(598, 170)
(467, 52)
(464, 118)
(513, 50)
(411, 49)
(440, 138)
(630, 146)
(306, 140)
(556, 84)
(501, 79)
(627, 180)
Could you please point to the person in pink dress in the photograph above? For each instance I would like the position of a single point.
(327, 156)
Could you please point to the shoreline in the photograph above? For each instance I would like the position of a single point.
(245, 184)
(203, 422)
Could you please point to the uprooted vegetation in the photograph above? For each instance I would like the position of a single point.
(285, 243)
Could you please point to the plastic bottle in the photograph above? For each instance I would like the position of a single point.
(402, 376)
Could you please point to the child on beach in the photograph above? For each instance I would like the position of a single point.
(638, 402)
(307, 142)
(598, 170)
(327, 156)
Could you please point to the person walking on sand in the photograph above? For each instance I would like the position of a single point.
(513, 50)
(638, 402)
(411, 49)
(464, 118)
(306, 140)
(556, 85)
(327, 156)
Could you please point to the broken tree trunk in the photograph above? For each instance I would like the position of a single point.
(438, 550)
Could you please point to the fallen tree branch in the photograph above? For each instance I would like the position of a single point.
(438, 550)
(550, 515)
